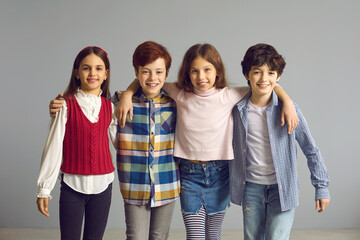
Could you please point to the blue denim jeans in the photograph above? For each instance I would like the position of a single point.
(204, 184)
(263, 218)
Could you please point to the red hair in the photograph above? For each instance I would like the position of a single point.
(149, 52)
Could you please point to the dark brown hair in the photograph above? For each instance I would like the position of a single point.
(148, 52)
(261, 54)
(210, 54)
(74, 83)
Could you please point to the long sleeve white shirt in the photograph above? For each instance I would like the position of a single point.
(53, 151)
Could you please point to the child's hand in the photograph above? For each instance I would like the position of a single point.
(289, 113)
(55, 105)
(42, 204)
(124, 106)
(322, 204)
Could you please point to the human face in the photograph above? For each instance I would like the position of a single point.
(202, 74)
(92, 74)
(152, 77)
(262, 82)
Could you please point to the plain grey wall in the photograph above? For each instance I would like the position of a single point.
(319, 40)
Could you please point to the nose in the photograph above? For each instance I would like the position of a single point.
(264, 77)
(152, 76)
(201, 75)
(92, 72)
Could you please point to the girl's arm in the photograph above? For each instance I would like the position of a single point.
(113, 127)
(51, 160)
(288, 111)
(125, 103)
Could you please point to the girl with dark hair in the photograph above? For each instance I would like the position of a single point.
(77, 147)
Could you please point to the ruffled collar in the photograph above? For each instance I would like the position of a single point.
(88, 95)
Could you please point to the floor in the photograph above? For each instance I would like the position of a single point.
(296, 234)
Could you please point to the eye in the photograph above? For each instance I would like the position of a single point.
(207, 69)
(85, 68)
(193, 71)
(271, 73)
(99, 68)
(145, 72)
(159, 72)
(256, 72)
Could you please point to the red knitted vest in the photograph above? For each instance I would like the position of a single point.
(86, 144)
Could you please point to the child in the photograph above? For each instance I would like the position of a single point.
(78, 147)
(203, 140)
(148, 174)
(263, 176)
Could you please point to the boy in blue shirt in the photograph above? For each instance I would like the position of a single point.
(263, 175)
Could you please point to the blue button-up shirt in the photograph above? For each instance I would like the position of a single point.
(283, 151)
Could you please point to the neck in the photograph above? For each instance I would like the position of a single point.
(95, 92)
(260, 101)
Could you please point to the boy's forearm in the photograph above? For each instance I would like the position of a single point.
(281, 94)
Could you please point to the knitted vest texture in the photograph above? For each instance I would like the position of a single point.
(86, 144)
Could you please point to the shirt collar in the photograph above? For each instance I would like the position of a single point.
(82, 94)
(142, 98)
(244, 102)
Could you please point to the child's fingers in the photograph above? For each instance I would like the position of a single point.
(59, 96)
(322, 204)
(131, 113)
(123, 119)
(282, 119)
(42, 204)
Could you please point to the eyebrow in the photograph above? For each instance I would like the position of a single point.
(100, 65)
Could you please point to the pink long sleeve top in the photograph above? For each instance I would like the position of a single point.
(204, 125)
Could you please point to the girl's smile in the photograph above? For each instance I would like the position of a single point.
(92, 73)
(202, 74)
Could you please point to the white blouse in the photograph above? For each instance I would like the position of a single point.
(52, 154)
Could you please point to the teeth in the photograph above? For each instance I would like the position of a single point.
(202, 84)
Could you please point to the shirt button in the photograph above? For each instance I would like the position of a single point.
(244, 150)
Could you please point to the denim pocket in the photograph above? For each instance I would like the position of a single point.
(186, 167)
(221, 164)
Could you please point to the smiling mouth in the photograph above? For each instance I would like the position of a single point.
(263, 85)
(202, 84)
(92, 80)
(152, 85)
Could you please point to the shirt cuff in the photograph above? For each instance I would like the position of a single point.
(322, 193)
(43, 193)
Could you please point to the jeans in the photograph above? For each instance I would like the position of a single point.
(144, 222)
(73, 206)
(263, 218)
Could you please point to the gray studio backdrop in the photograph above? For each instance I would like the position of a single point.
(319, 40)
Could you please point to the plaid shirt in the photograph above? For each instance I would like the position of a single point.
(146, 168)
(283, 151)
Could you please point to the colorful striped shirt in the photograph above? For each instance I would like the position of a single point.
(146, 168)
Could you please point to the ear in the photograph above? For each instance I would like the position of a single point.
(277, 80)
(136, 73)
(106, 74)
(246, 77)
(76, 73)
